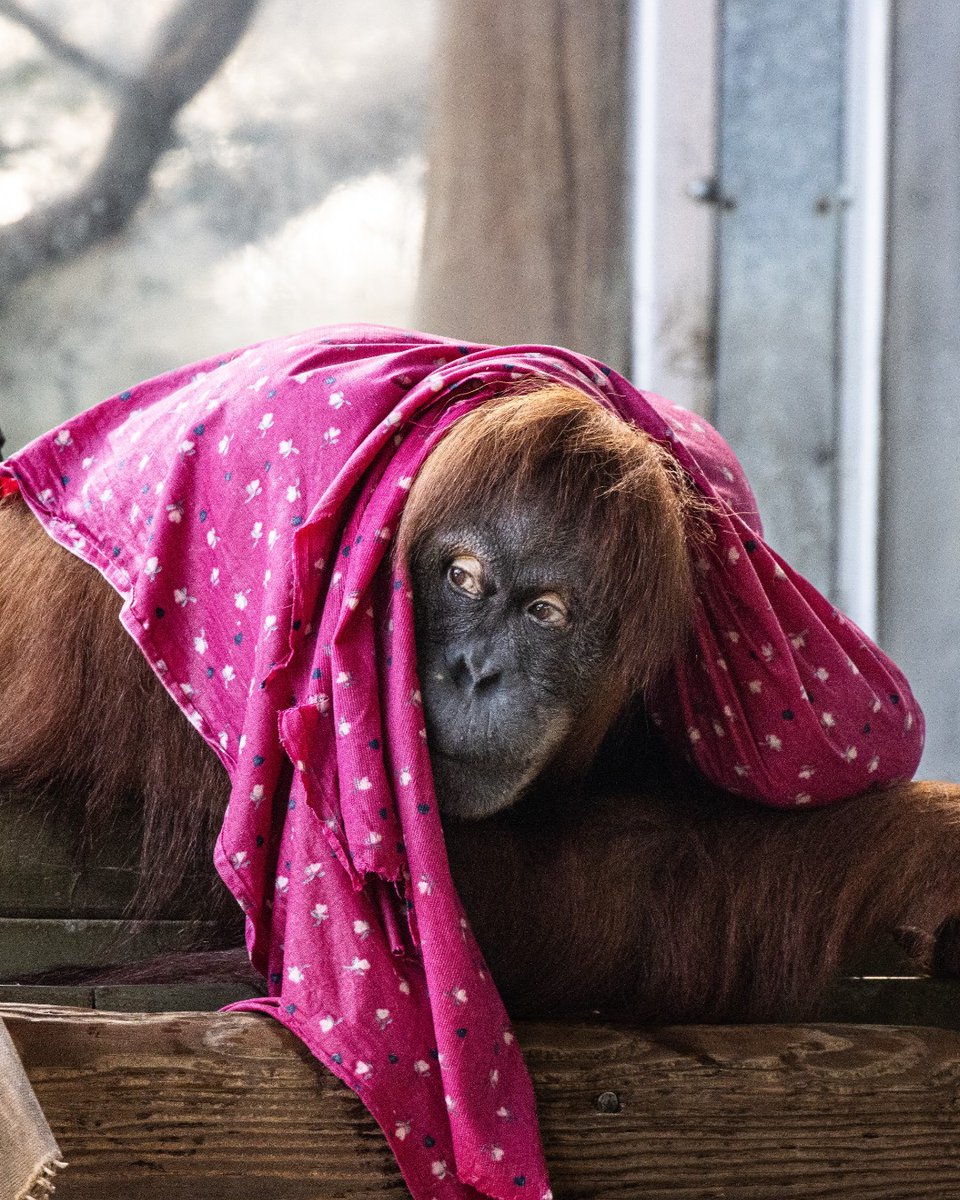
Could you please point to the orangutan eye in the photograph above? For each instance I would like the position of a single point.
(549, 610)
(465, 574)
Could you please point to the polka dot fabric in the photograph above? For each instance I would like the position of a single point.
(783, 699)
(244, 507)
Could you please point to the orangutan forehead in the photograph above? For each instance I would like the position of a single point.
(522, 548)
(553, 470)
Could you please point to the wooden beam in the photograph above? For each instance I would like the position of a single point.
(163, 1107)
(873, 999)
(526, 237)
(28, 945)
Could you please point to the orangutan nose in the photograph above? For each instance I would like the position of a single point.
(475, 670)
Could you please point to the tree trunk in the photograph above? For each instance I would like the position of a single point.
(526, 236)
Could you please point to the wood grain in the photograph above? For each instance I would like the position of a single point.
(41, 877)
(176, 1105)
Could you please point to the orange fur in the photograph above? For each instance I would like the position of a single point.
(676, 902)
(86, 727)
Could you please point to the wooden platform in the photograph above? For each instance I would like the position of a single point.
(177, 1105)
(150, 1104)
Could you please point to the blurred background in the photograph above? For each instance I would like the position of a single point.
(751, 206)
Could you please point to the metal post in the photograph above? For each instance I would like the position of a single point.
(642, 124)
(861, 315)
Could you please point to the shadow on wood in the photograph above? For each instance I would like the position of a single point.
(173, 1105)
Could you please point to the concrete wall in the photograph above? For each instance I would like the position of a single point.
(920, 546)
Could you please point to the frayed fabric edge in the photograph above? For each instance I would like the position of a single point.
(43, 1183)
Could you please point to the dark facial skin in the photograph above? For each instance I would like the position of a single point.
(509, 654)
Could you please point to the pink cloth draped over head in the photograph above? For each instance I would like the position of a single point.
(244, 508)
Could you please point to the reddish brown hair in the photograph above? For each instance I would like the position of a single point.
(87, 731)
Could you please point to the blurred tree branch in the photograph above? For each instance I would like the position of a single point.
(190, 46)
(48, 37)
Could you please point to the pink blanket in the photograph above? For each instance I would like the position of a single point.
(244, 508)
